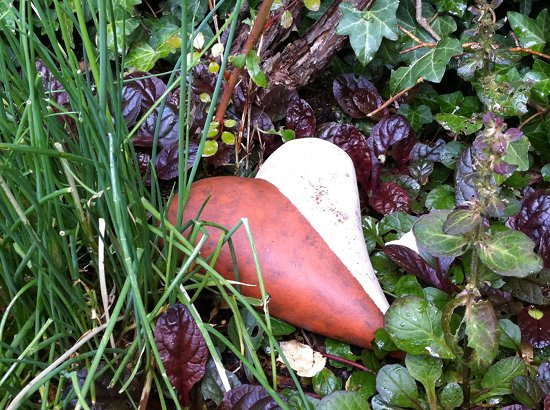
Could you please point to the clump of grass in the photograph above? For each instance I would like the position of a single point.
(82, 278)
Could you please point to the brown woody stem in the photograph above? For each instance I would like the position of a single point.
(253, 37)
(395, 97)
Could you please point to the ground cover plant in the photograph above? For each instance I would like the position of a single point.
(109, 107)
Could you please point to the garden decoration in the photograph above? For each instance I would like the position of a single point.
(303, 211)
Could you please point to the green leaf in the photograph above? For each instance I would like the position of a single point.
(238, 60)
(400, 222)
(530, 32)
(483, 333)
(7, 15)
(142, 57)
(458, 123)
(362, 382)
(325, 383)
(428, 230)
(417, 116)
(427, 370)
(210, 148)
(340, 349)
(254, 69)
(533, 289)
(396, 386)
(312, 5)
(517, 154)
(442, 197)
(228, 138)
(456, 7)
(343, 400)
(431, 66)
(408, 285)
(461, 221)
(527, 391)
(367, 28)
(415, 327)
(280, 328)
(451, 396)
(510, 253)
(510, 334)
(497, 381)
(124, 8)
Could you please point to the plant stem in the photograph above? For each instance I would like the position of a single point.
(255, 33)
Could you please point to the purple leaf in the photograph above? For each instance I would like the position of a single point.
(131, 105)
(300, 118)
(350, 139)
(203, 80)
(248, 397)
(534, 216)
(357, 96)
(543, 376)
(168, 129)
(425, 152)
(52, 86)
(143, 157)
(535, 326)
(388, 198)
(150, 87)
(182, 349)
(389, 131)
(544, 248)
(166, 162)
(413, 263)
(464, 177)
(275, 99)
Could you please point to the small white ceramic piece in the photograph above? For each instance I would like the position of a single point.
(319, 179)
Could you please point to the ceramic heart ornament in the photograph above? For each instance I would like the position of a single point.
(303, 211)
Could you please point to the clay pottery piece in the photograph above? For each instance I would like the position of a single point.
(303, 211)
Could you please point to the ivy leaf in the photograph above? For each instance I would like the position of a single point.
(532, 289)
(121, 33)
(428, 230)
(535, 326)
(182, 349)
(456, 7)
(459, 124)
(396, 386)
(517, 154)
(415, 327)
(441, 197)
(483, 333)
(141, 57)
(497, 381)
(348, 400)
(367, 28)
(510, 253)
(431, 66)
(417, 116)
(531, 33)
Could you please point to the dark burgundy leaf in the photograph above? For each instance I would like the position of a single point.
(275, 99)
(260, 120)
(464, 177)
(514, 407)
(388, 198)
(544, 248)
(535, 326)
(131, 105)
(239, 96)
(166, 162)
(150, 87)
(143, 157)
(503, 302)
(503, 168)
(389, 131)
(425, 152)
(182, 349)
(543, 376)
(413, 263)
(168, 129)
(357, 96)
(547, 402)
(248, 397)
(174, 98)
(300, 118)
(52, 86)
(350, 139)
(401, 150)
(534, 216)
(203, 80)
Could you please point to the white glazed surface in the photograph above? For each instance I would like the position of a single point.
(319, 179)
